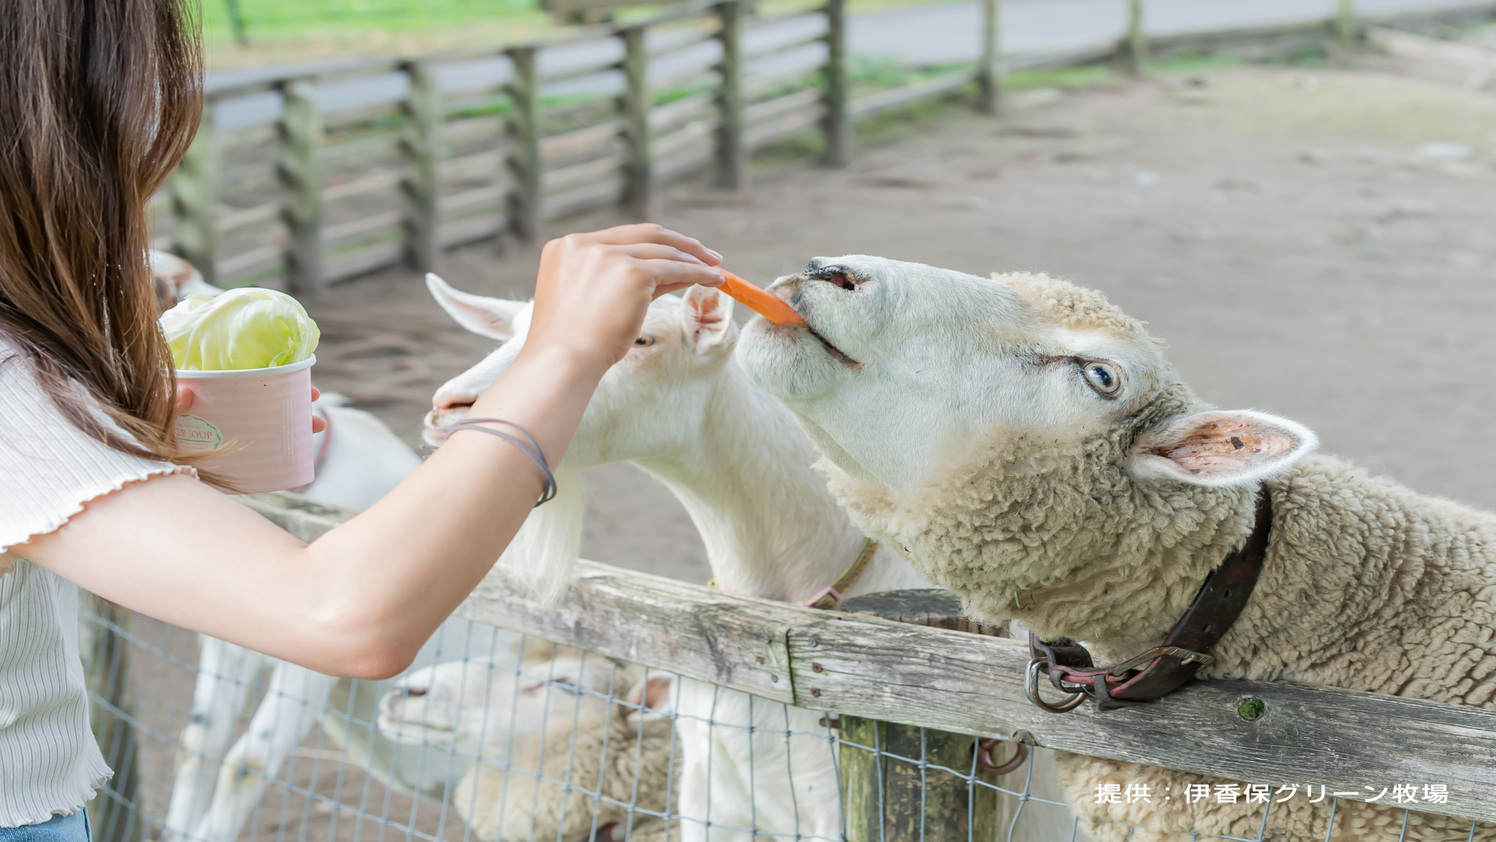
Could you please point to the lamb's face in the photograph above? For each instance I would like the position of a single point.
(904, 366)
(648, 405)
(480, 706)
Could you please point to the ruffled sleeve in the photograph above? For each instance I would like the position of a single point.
(48, 468)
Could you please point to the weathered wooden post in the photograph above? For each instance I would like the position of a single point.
(1346, 30)
(422, 148)
(1136, 46)
(194, 200)
(112, 716)
(838, 130)
(731, 158)
(885, 797)
(301, 178)
(639, 170)
(524, 128)
(990, 74)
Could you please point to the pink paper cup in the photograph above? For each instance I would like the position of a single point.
(258, 419)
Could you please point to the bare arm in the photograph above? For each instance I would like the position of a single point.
(362, 599)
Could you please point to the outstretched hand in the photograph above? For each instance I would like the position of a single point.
(593, 289)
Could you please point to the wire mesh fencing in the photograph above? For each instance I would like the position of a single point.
(493, 735)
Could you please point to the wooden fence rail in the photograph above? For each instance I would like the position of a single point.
(953, 681)
(469, 145)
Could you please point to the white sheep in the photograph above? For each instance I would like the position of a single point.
(1025, 443)
(679, 407)
(219, 781)
(553, 755)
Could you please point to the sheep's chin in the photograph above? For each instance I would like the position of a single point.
(789, 362)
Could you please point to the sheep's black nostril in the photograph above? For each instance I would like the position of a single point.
(843, 281)
(409, 692)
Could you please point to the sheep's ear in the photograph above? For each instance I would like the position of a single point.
(490, 317)
(1222, 449)
(648, 697)
(707, 316)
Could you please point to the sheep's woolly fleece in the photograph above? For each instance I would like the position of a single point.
(512, 804)
(1366, 585)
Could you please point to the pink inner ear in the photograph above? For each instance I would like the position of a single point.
(708, 310)
(1225, 446)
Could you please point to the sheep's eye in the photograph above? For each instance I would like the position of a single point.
(1104, 377)
(644, 340)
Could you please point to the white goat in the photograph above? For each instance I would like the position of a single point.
(679, 407)
(217, 786)
(553, 756)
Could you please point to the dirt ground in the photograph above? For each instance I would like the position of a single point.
(1313, 242)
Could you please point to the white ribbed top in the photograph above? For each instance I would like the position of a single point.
(49, 763)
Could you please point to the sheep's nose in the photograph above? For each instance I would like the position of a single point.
(408, 692)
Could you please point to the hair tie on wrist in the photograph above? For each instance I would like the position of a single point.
(530, 447)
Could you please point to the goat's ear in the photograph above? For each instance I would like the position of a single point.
(1221, 449)
(648, 697)
(490, 317)
(707, 317)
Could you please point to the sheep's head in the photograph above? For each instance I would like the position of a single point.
(480, 706)
(647, 405)
(1008, 433)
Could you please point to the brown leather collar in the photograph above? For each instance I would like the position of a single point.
(1165, 668)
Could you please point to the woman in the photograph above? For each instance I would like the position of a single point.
(99, 99)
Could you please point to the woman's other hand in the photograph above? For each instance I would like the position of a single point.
(593, 289)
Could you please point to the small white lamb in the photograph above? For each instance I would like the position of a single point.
(1025, 443)
(679, 407)
(554, 757)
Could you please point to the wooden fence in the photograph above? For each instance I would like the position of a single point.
(953, 681)
(454, 148)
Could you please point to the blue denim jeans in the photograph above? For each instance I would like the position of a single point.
(72, 828)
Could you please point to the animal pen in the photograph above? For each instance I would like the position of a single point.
(927, 728)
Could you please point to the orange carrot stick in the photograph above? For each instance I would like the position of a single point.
(766, 304)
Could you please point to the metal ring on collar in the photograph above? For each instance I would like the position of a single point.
(1031, 687)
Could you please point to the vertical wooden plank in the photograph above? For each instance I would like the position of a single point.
(301, 178)
(901, 791)
(1345, 22)
(732, 166)
(1135, 49)
(194, 200)
(838, 131)
(989, 75)
(524, 127)
(422, 148)
(861, 767)
(639, 171)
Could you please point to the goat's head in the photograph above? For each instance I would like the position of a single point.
(905, 367)
(646, 405)
(491, 706)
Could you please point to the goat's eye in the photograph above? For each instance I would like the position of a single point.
(1104, 377)
(644, 340)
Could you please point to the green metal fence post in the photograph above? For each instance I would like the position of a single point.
(1136, 46)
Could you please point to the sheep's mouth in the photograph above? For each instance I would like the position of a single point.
(835, 352)
(831, 350)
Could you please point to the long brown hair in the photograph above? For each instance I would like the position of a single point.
(99, 100)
